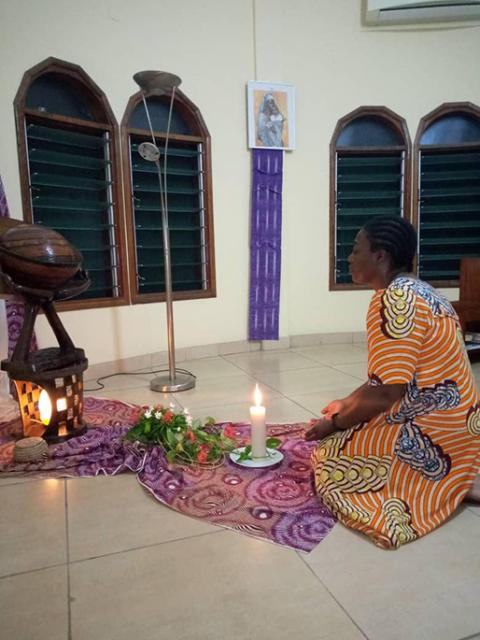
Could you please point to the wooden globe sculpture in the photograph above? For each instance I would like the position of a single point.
(41, 266)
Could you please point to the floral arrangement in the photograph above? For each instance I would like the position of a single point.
(183, 439)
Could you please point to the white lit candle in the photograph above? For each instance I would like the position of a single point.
(259, 430)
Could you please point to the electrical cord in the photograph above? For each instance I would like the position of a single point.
(133, 373)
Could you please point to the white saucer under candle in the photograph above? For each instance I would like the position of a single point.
(259, 427)
(273, 457)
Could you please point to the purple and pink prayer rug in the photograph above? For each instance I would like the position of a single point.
(278, 504)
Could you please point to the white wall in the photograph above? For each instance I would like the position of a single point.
(216, 46)
(337, 66)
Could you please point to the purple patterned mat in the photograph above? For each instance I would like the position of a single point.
(277, 504)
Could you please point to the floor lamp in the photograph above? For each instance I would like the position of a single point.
(159, 83)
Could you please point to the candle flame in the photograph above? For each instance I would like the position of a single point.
(257, 396)
(44, 407)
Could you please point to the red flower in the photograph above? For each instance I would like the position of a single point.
(203, 453)
(229, 431)
(191, 436)
(168, 416)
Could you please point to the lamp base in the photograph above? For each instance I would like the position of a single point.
(62, 434)
(165, 384)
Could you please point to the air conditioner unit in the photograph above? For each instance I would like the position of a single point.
(385, 12)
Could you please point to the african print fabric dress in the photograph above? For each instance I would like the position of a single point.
(403, 473)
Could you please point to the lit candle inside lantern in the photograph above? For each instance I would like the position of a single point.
(259, 430)
(44, 407)
(62, 431)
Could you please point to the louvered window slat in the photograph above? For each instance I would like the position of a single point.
(449, 211)
(366, 185)
(186, 219)
(71, 192)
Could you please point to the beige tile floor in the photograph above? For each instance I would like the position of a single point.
(99, 559)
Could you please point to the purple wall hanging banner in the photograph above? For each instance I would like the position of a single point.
(15, 310)
(265, 244)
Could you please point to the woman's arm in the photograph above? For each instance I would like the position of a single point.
(361, 405)
(367, 402)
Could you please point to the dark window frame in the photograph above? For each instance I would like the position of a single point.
(105, 121)
(400, 126)
(191, 114)
(447, 108)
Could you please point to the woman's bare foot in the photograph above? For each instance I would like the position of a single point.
(474, 494)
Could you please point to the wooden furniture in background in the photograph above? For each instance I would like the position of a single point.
(468, 306)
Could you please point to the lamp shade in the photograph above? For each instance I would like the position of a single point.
(149, 151)
(156, 82)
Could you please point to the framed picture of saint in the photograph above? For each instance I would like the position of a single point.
(271, 115)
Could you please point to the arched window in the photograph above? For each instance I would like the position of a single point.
(69, 171)
(189, 193)
(369, 175)
(447, 190)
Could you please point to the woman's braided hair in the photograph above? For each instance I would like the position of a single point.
(394, 235)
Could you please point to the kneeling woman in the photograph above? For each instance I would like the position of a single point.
(399, 454)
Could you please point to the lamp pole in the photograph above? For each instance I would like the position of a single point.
(159, 83)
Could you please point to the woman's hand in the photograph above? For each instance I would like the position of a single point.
(320, 429)
(325, 426)
(361, 405)
(333, 408)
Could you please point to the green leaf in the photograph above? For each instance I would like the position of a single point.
(228, 444)
(273, 443)
(170, 437)
(201, 436)
(246, 454)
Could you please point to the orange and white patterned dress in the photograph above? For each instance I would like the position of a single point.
(403, 473)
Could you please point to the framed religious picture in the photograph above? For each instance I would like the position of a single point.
(271, 115)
